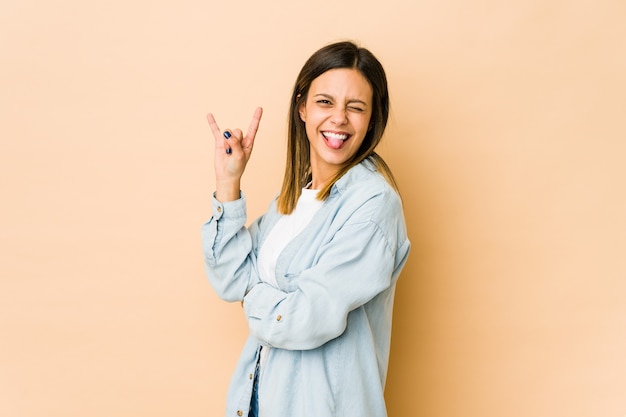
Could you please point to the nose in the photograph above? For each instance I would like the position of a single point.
(338, 116)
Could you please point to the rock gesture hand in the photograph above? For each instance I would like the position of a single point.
(232, 152)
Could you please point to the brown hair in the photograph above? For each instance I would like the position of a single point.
(298, 165)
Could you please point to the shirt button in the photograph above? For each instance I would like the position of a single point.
(239, 413)
(251, 376)
(279, 317)
(219, 209)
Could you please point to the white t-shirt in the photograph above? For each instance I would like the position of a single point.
(285, 230)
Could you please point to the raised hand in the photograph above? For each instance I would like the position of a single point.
(232, 152)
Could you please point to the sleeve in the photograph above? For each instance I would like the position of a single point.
(358, 263)
(227, 247)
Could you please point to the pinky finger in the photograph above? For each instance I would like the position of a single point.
(213, 124)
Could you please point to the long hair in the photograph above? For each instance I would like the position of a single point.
(298, 165)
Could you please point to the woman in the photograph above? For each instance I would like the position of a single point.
(316, 273)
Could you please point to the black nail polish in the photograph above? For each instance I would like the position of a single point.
(227, 134)
(228, 150)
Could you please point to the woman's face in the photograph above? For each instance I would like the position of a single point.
(336, 114)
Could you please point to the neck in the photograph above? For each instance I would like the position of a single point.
(322, 174)
(320, 179)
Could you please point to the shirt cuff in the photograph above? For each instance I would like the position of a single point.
(261, 300)
(229, 209)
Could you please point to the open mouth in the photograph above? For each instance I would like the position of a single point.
(335, 140)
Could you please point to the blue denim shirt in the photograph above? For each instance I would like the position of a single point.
(329, 320)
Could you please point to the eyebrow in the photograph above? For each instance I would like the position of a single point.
(353, 100)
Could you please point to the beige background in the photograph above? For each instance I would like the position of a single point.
(507, 137)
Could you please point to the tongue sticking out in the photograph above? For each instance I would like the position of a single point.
(334, 143)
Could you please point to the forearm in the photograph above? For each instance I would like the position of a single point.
(227, 248)
(350, 273)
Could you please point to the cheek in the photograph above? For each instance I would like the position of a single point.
(362, 125)
(310, 131)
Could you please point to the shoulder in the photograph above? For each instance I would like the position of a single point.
(364, 190)
(366, 181)
(363, 200)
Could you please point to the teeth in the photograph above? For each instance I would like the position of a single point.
(332, 135)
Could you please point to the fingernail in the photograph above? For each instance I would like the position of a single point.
(227, 134)
(228, 150)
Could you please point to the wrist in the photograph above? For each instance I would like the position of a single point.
(227, 191)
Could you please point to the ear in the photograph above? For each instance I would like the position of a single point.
(302, 111)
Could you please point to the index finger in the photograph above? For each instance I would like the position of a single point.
(254, 124)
